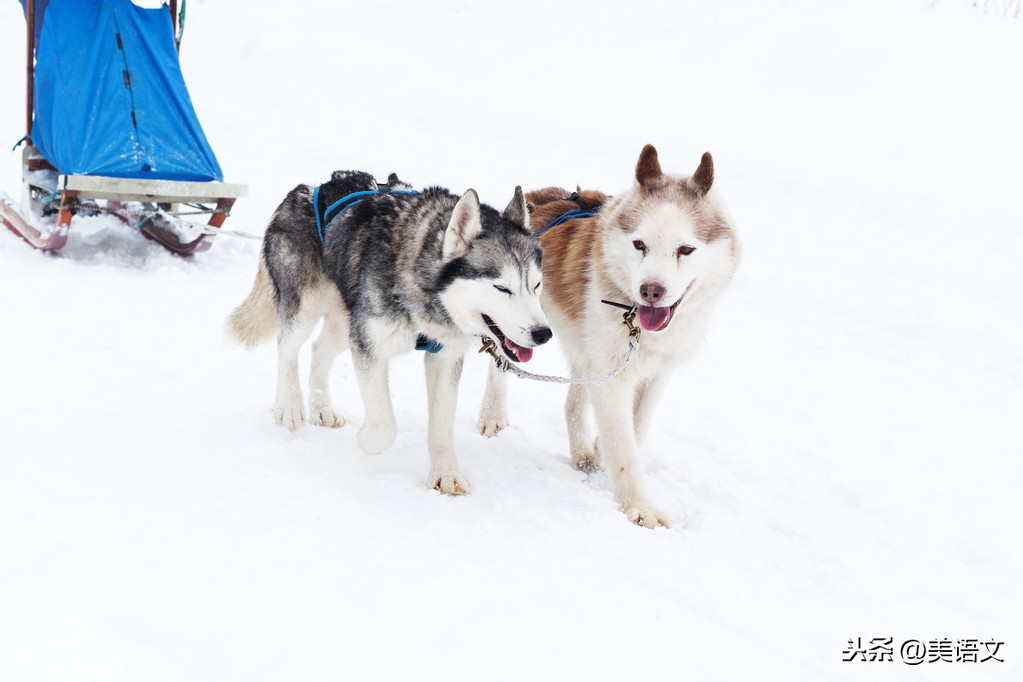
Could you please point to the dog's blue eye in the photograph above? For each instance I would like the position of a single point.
(685, 250)
(503, 290)
(640, 246)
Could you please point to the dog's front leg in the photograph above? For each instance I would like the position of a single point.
(577, 418)
(494, 409)
(378, 433)
(648, 394)
(619, 454)
(443, 370)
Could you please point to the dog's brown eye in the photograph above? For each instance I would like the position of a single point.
(640, 246)
(685, 250)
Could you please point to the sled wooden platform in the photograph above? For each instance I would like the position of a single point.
(117, 191)
(120, 190)
(157, 191)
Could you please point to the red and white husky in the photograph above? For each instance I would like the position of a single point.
(667, 247)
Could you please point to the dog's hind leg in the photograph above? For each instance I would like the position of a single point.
(294, 272)
(378, 432)
(443, 370)
(494, 409)
(332, 341)
(288, 409)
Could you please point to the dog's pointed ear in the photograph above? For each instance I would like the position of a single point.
(464, 225)
(517, 211)
(648, 170)
(703, 178)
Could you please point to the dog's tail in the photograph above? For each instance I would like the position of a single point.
(255, 320)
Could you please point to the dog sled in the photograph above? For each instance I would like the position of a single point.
(110, 128)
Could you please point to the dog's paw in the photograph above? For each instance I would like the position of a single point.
(646, 515)
(492, 424)
(324, 415)
(291, 417)
(375, 438)
(449, 482)
(586, 461)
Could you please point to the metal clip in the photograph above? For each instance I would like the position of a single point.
(489, 347)
(628, 319)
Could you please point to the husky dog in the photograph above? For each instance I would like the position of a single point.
(666, 247)
(394, 270)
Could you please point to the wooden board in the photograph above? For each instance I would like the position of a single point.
(159, 191)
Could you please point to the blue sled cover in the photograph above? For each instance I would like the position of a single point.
(109, 95)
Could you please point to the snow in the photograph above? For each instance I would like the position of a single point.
(842, 460)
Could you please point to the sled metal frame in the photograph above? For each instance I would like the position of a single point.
(19, 226)
(116, 191)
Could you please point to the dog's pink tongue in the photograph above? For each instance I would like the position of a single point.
(651, 318)
(523, 354)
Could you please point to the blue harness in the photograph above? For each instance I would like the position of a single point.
(423, 342)
(583, 212)
(335, 209)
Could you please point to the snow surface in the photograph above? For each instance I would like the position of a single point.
(842, 461)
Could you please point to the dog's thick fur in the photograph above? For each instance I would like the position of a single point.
(666, 246)
(392, 267)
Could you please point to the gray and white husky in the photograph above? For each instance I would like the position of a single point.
(388, 270)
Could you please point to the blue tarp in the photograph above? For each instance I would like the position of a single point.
(109, 95)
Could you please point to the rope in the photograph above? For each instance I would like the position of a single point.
(203, 229)
(172, 217)
(505, 365)
(208, 229)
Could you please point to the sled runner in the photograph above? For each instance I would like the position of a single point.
(110, 127)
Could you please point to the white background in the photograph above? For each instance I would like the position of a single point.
(842, 461)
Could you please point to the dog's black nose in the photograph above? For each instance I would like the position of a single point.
(542, 335)
(652, 292)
